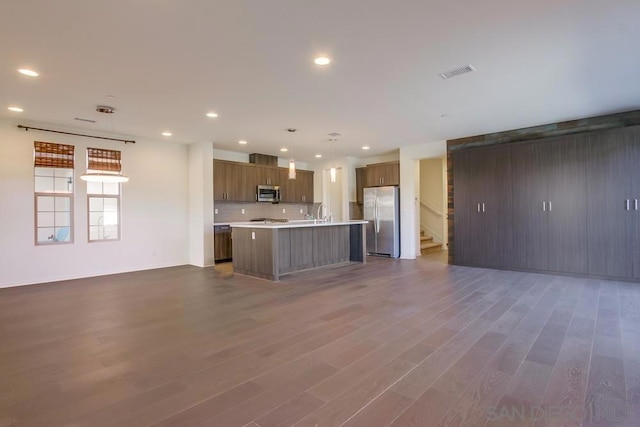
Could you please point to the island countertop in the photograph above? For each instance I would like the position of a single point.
(294, 224)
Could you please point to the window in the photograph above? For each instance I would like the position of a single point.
(53, 192)
(103, 198)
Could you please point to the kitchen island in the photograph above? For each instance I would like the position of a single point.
(269, 250)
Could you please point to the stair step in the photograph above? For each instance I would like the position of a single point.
(426, 239)
(430, 247)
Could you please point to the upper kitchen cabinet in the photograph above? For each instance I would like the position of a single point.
(268, 175)
(299, 190)
(361, 179)
(482, 203)
(304, 186)
(234, 181)
(382, 174)
(549, 205)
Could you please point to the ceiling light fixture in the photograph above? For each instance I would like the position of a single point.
(242, 142)
(167, 134)
(15, 109)
(366, 147)
(322, 60)
(104, 177)
(318, 156)
(28, 72)
(332, 173)
(212, 115)
(284, 150)
(292, 162)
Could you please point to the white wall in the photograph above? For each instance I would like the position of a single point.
(410, 157)
(201, 204)
(322, 191)
(155, 219)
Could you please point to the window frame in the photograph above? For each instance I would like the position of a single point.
(118, 198)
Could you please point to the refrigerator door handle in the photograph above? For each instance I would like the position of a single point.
(377, 217)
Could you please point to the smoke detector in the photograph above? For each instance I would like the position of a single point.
(105, 109)
(291, 130)
(458, 71)
(335, 134)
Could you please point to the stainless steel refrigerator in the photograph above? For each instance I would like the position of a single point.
(382, 210)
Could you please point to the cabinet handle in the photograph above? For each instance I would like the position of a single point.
(550, 207)
(478, 207)
(626, 205)
(483, 207)
(635, 204)
(544, 206)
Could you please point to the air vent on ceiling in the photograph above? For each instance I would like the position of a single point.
(84, 120)
(460, 70)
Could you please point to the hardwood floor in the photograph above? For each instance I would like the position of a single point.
(388, 343)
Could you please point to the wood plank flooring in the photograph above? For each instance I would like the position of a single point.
(388, 343)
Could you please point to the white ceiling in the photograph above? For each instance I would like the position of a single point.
(168, 62)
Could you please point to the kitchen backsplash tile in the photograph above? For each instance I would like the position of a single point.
(232, 211)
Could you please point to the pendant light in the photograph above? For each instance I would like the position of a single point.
(292, 162)
(332, 173)
(105, 167)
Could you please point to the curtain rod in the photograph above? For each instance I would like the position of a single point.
(126, 141)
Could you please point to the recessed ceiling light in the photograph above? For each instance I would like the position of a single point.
(166, 134)
(322, 60)
(16, 109)
(212, 115)
(242, 142)
(366, 147)
(28, 72)
(318, 156)
(284, 150)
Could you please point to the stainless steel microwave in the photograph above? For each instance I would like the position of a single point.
(268, 193)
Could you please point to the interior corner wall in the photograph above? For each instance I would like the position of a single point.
(154, 210)
(201, 204)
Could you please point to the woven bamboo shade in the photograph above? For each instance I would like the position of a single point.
(99, 159)
(52, 155)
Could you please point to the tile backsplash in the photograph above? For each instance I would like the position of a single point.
(232, 211)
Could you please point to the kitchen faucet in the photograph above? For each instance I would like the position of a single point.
(319, 208)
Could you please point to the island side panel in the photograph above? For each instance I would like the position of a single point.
(241, 246)
(263, 256)
(357, 243)
(302, 248)
(283, 246)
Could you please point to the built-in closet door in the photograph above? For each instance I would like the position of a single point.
(530, 219)
(610, 210)
(634, 136)
(482, 202)
(566, 206)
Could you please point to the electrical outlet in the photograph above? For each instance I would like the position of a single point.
(284, 210)
(242, 211)
(215, 211)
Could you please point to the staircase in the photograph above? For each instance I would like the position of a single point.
(427, 245)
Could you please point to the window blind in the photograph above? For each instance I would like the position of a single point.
(100, 159)
(52, 155)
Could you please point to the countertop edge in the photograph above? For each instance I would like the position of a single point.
(294, 224)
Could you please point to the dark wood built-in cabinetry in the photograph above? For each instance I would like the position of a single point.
(382, 174)
(234, 181)
(483, 207)
(376, 175)
(566, 204)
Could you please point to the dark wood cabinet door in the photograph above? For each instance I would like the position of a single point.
(383, 174)
(530, 205)
(246, 176)
(494, 247)
(609, 204)
(219, 180)
(304, 187)
(288, 187)
(302, 242)
(567, 205)
(361, 179)
(467, 207)
(634, 144)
